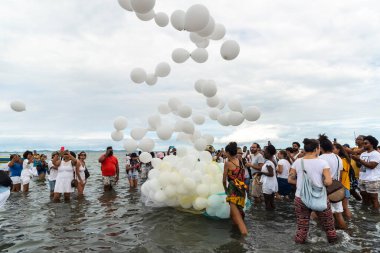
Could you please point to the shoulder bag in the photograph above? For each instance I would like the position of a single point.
(336, 191)
(74, 182)
(312, 196)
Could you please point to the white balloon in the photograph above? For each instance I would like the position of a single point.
(252, 113)
(178, 125)
(234, 105)
(145, 157)
(151, 79)
(177, 19)
(189, 183)
(205, 156)
(164, 109)
(126, 4)
(143, 6)
(160, 196)
(203, 191)
(174, 103)
(223, 119)
(180, 55)
(200, 203)
(181, 151)
(146, 16)
(221, 104)
(138, 133)
(213, 101)
(219, 32)
(130, 145)
(203, 43)
(138, 75)
(235, 118)
(209, 88)
(164, 132)
(146, 144)
(200, 144)
(198, 119)
(18, 106)
(209, 29)
(185, 111)
(209, 139)
(195, 136)
(230, 50)
(161, 19)
(196, 18)
(199, 84)
(156, 163)
(162, 69)
(187, 127)
(196, 38)
(154, 121)
(199, 55)
(214, 113)
(117, 135)
(120, 123)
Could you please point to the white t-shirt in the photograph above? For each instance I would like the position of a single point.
(27, 169)
(270, 184)
(335, 164)
(255, 160)
(314, 169)
(285, 168)
(53, 172)
(370, 174)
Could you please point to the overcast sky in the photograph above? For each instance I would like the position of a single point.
(310, 66)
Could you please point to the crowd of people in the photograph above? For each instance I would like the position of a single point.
(263, 174)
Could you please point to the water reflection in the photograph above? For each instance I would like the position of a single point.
(117, 221)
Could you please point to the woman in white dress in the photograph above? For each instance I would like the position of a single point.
(79, 173)
(27, 170)
(268, 177)
(65, 175)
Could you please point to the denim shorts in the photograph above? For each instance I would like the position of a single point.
(52, 185)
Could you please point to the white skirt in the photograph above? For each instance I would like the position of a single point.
(63, 185)
(3, 197)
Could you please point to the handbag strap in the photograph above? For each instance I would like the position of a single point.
(337, 172)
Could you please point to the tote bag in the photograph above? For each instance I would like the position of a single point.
(312, 196)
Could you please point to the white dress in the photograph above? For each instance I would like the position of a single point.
(81, 172)
(64, 177)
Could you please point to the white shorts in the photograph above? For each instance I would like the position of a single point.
(337, 207)
(16, 180)
(25, 180)
(3, 197)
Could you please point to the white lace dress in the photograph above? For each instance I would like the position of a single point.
(64, 177)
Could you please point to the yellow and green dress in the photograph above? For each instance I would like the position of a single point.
(236, 188)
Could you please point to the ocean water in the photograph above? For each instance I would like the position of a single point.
(119, 222)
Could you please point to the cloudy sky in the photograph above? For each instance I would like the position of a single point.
(310, 66)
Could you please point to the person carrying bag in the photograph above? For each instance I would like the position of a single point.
(311, 174)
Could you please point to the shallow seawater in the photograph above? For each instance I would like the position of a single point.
(119, 222)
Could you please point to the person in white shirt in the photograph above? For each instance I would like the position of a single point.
(257, 162)
(52, 173)
(283, 167)
(268, 177)
(369, 176)
(27, 170)
(319, 173)
(336, 166)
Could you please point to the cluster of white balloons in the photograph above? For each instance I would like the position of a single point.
(196, 20)
(139, 75)
(186, 180)
(18, 106)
